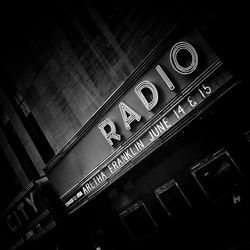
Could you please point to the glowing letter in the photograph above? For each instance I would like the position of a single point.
(183, 69)
(111, 134)
(147, 85)
(164, 77)
(128, 115)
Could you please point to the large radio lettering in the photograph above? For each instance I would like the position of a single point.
(107, 127)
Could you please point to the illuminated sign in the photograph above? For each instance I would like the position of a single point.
(167, 91)
(25, 217)
(162, 126)
(128, 114)
(19, 215)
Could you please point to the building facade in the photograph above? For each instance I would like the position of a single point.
(136, 114)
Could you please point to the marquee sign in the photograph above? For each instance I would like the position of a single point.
(164, 124)
(149, 108)
(25, 218)
(128, 114)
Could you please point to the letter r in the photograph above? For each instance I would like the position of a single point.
(108, 130)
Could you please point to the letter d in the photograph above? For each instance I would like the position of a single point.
(149, 104)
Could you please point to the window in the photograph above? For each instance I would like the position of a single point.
(173, 199)
(138, 221)
(217, 175)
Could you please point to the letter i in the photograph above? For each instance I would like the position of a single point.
(164, 77)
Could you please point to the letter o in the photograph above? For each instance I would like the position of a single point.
(181, 47)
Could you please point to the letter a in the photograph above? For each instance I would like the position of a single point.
(111, 134)
(147, 85)
(128, 115)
